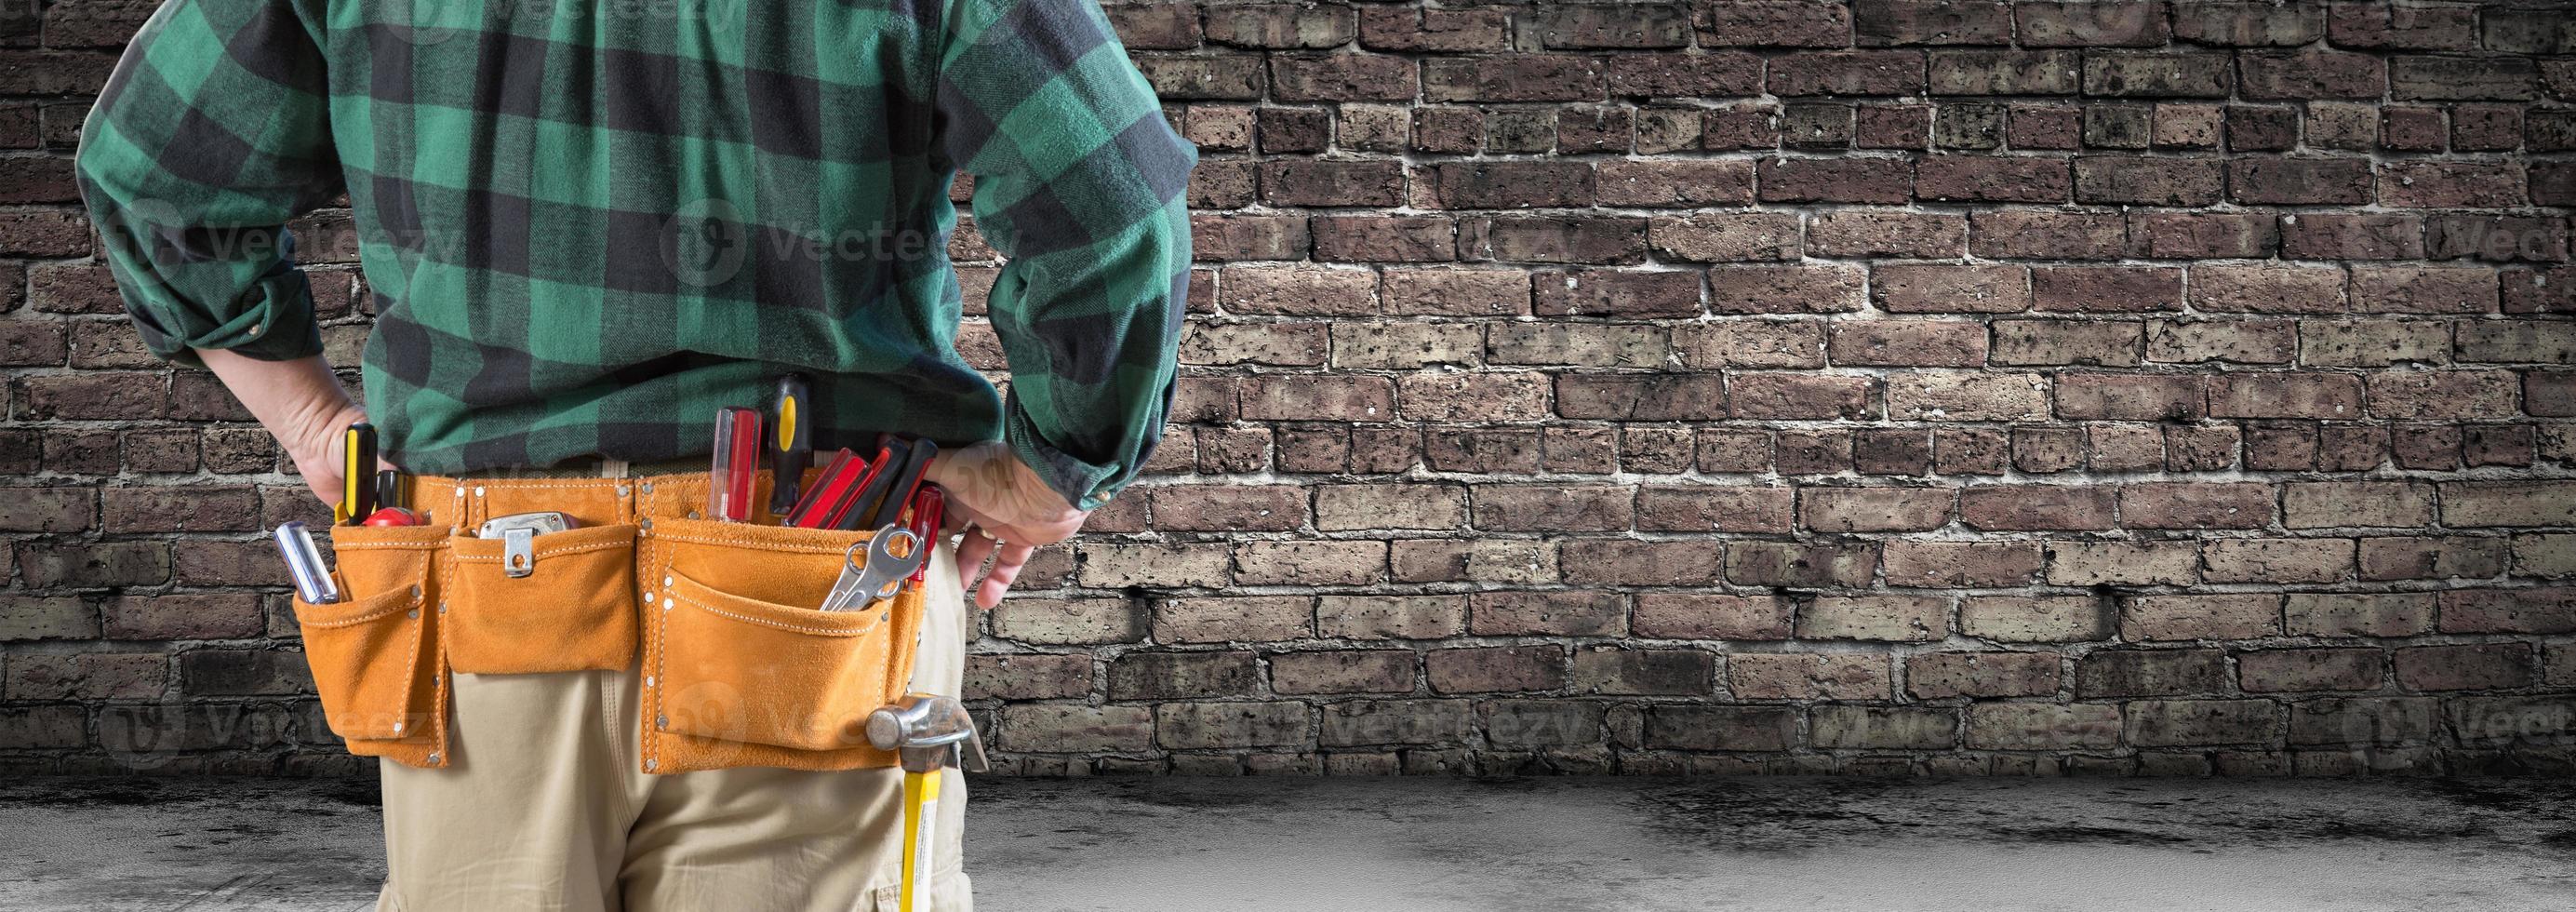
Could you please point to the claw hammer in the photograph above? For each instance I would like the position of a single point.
(928, 733)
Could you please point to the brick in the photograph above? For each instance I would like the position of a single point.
(1160, 675)
(2149, 672)
(2048, 234)
(1244, 619)
(2042, 726)
(2438, 184)
(2392, 614)
(1736, 728)
(1027, 676)
(1214, 725)
(1809, 676)
(1726, 237)
(1343, 671)
(2277, 560)
(2472, 666)
(2508, 503)
(2176, 723)
(2056, 342)
(1785, 289)
(1521, 77)
(2004, 73)
(1765, 563)
(1117, 566)
(1960, 563)
(2035, 618)
(33, 617)
(1546, 613)
(1962, 396)
(1884, 727)
(2288, 670)
(1629, 562)
(1071, 727)
(2396, 558)
(1538, 723)
(2200, 617)
(1942, 675)
(1070, 621)
(1834, 180)
(1495, 669)
(1875, 509)
(1643, 672)
(1847, 73)
(2157, 75)
(1960, 178)
(2462, 78)
(1367, 239)
(1709, 616)
(1871, 233)
(2147, 181)
(1927, 288)
(1875, 617)
(1714, 74)
(2285, 395)
(2524, 610)
(1359, 722)
(1674, 183)
(2321, 236)
(2195, 505)
(2122, 563)
(2036, 507)
(2379, 26)
(2363, 720)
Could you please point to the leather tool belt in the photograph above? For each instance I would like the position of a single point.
(739, 666)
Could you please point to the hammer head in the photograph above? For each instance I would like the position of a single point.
(927, 732)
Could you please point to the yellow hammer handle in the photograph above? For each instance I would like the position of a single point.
(920, 812)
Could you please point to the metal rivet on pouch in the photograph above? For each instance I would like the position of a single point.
(666, 604)
(648, 680)
(433, 758)
(414, 613)
(478, 490)
(650, 764)
(623, 491)
(666, 582)
(661, 721)
(442, 607)
(648, 487)
(415, 592)
(646, 525)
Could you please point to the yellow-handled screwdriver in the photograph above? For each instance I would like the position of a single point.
(357, 475)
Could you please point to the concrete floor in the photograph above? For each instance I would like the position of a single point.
(1453, 845)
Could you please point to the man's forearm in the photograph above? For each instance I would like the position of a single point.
(300, 403)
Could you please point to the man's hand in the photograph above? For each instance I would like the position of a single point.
(1007, 511)
(301, 404)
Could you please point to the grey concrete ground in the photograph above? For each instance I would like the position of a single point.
(1450, 845)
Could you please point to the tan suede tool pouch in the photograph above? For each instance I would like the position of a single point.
(567, 604)
(743, 668)
(377, 655)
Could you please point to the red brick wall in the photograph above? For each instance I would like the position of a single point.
(1914, 387)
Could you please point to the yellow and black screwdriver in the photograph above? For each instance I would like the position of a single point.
(791, 444)
(357, 475)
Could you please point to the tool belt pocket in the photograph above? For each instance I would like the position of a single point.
(374, 654)
(563, 601)
(745, 656)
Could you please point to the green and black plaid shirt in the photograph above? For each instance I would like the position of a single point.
(588, 225)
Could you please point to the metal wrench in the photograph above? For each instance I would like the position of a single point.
(882, 575)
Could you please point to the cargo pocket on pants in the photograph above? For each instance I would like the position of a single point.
(566, 605)
(745, 657)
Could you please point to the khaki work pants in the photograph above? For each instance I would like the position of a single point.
(541, 805)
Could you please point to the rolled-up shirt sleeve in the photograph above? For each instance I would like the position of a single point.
(212, 133)
(1079, 180)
